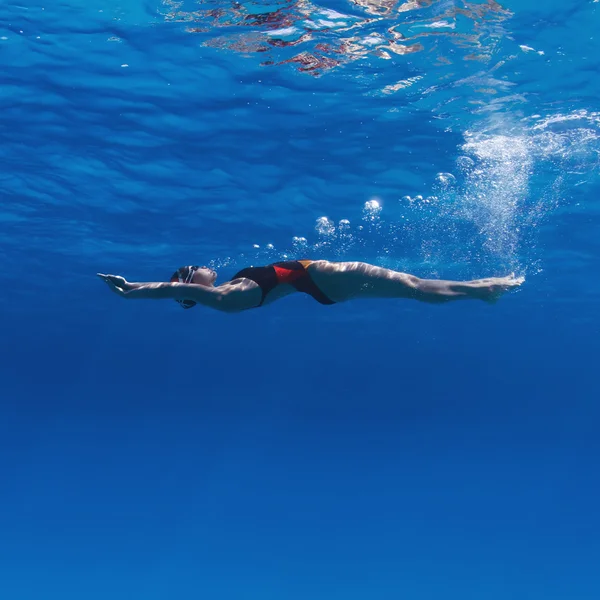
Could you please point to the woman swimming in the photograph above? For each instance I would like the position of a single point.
(327, 282)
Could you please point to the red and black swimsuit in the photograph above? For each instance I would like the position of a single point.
(292, 272)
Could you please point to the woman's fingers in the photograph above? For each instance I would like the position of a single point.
(119, 281)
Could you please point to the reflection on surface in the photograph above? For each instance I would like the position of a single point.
(317, 39)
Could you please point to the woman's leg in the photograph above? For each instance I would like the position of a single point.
(344, 281)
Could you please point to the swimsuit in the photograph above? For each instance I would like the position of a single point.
(292, 272)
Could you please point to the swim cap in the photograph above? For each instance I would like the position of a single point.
(184, 275)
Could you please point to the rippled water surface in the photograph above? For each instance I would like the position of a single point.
(369, 450)
(241, 124)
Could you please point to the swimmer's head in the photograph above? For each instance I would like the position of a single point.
(196, 275)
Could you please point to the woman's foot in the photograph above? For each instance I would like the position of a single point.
(491, 289)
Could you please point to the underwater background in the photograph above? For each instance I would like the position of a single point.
(376, 449)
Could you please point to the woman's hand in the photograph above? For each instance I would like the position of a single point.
(118, 285)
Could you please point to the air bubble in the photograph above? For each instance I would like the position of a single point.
(325, 227)
(372, 210)
(344, 226)
(445, 179)
(299, 244)
(464, 163)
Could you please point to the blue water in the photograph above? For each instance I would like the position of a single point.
(377, 449)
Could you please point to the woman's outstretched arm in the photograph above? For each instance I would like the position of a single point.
(227, 298)
(347, 280)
